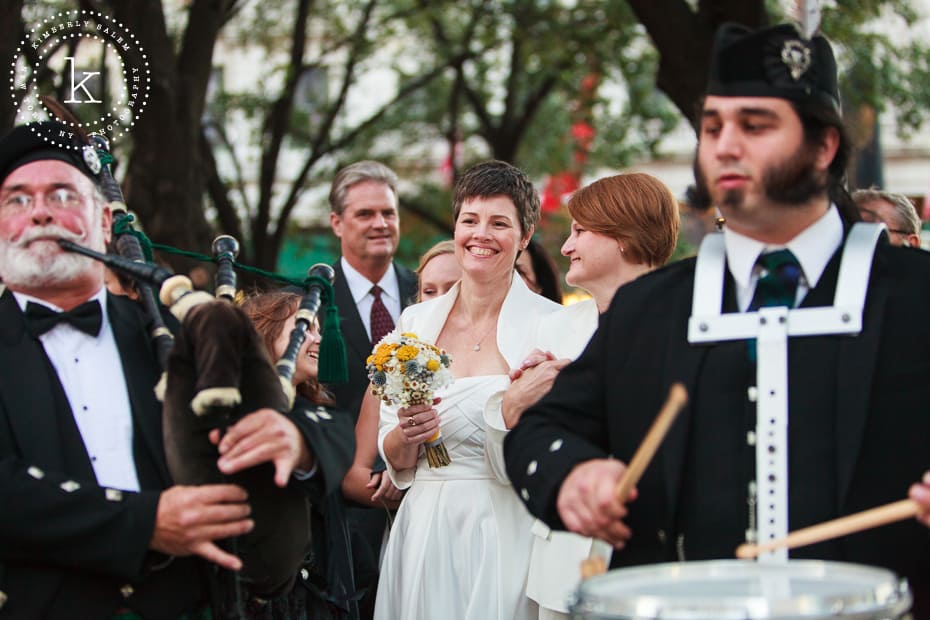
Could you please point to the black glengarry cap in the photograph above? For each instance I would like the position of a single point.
(25, 144)
(772, 62)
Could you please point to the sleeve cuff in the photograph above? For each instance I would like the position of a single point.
(299, 474)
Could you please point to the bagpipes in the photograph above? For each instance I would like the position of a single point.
(217, 370)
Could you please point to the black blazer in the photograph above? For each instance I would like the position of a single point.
(69, 548)
(358, 345)
(604, 403)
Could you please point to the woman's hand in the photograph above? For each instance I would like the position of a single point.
(417, 423)
(536, 357)
(385, 490)
(530, 384)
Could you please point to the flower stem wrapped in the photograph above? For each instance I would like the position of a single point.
(406, 371)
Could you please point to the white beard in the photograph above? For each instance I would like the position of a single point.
(36, 264)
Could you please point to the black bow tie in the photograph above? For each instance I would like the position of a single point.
(87, 317)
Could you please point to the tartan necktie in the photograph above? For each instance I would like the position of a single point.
(381, 321)
(778, 284)
(88, 318)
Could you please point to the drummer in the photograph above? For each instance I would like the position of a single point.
(771, 157)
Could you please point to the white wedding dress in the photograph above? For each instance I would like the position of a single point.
(460, 544)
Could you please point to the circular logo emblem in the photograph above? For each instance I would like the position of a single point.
(89, 63)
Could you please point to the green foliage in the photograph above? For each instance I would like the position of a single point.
(879, 63)
(496, 76)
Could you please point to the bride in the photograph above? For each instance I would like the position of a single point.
(460, 544)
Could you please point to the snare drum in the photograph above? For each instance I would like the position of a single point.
(737, 589)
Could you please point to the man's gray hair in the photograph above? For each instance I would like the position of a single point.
(358, 172)
(907, 220)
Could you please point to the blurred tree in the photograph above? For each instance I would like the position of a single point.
(551, 85)
(164, 178)
(306, 126)
(11, 32)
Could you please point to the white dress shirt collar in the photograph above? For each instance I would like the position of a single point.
(360, 286)
(813, 247)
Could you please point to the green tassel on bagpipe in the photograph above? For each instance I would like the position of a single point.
(334, 367)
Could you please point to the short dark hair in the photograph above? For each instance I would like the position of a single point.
(498, 178)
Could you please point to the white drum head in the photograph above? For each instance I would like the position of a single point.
(741, 590)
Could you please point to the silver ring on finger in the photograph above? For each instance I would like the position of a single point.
(412, 422)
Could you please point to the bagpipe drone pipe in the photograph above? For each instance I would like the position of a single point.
(217, 372)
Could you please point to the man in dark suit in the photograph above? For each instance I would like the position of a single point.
(91, 524)
(771, 156)
(363, 203)
(371, 290)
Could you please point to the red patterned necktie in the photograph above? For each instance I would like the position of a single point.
(381, 321)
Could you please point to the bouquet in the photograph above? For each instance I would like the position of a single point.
(405, 371)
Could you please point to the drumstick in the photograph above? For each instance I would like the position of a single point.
(677, 398)
(850, 524)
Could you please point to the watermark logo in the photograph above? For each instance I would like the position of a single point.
(90, 63)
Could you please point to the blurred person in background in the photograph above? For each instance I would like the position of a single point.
(326, 587)
(539, 271)
(438, 271)
(895, 211)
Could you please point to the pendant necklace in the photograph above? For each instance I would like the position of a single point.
(477, 346)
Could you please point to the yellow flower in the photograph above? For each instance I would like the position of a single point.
(369, 360)
(432, 365)
(407, 352)
(409, 335)
(381, 358)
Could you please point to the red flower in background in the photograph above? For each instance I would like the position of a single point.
(560, 185)
(557, 187)
(583, 133)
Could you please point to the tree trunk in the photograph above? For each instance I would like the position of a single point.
(11, 31)
(165, 181)
(684, 40)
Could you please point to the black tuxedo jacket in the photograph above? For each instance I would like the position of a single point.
(68, 547)
(604, 403)
(358, 345)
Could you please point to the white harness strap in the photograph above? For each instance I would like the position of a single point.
(771, 327)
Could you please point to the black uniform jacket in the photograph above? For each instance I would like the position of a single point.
(72, 549)
(68, 547)
(859, 421)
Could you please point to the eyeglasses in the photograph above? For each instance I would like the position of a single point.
(59, 198)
